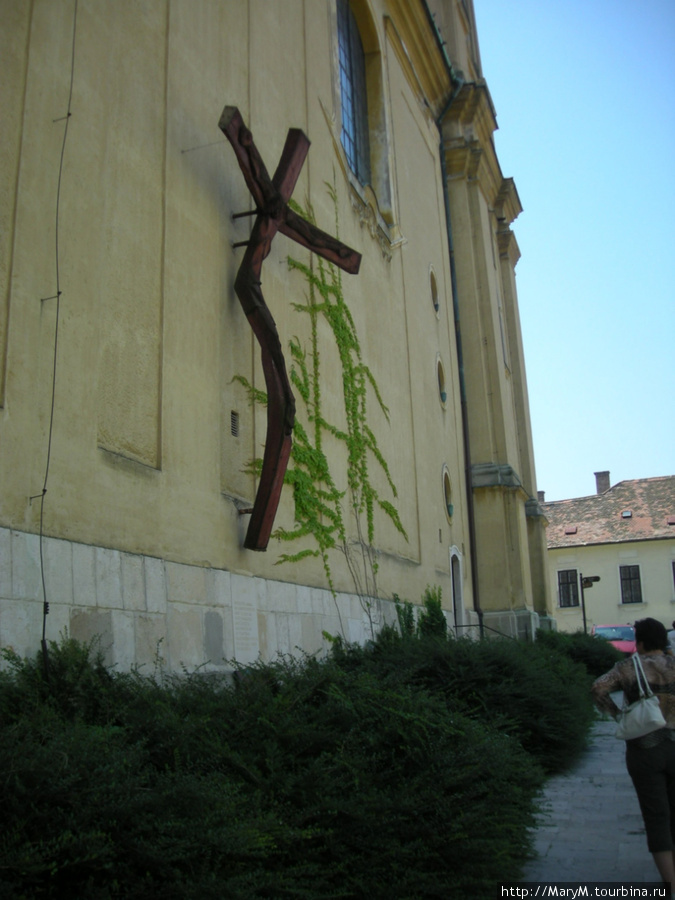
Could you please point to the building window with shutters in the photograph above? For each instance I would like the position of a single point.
(568, 588)
(631, 589)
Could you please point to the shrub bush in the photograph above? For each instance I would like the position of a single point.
(529, 690)
(91, 810)
(595, 654)
(304, 779)
(402, 796)
(432, 621)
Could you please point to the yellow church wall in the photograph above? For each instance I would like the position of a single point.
(151, 430)
(143, 462)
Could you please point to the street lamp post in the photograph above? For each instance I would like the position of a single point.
(586, 582)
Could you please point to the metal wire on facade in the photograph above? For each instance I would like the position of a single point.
(57, 298)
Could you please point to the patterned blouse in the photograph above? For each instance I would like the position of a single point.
(660, 671)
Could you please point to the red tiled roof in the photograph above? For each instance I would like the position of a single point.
(640, 510)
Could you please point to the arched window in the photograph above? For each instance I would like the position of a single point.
(442, 390)
(353, 93)
(457, 594)
(447, 494)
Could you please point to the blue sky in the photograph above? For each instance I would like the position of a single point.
(584, 92)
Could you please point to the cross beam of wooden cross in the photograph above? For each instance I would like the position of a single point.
(271, 196)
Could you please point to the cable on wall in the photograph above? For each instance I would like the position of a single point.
(57, 297)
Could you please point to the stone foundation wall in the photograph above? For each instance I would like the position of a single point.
(146, 609)
(520, 623)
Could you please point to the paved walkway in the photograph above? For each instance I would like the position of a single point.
(590, 827)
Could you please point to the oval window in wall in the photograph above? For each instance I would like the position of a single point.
(434, 290)
(442, 390)
(447, 494)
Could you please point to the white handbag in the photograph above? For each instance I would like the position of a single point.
(643, 716)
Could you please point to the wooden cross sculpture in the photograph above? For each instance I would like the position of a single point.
(271, 196)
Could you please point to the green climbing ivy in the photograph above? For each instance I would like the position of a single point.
(318, 500)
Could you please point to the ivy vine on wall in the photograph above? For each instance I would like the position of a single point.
(319, 502)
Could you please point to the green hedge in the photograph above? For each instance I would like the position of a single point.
(531, 691)
(396, 771)
(594, 653)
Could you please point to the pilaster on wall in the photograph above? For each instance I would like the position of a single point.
(505, 577)
(508, 256)
(537, 524)
(482, 205)
(510, 543)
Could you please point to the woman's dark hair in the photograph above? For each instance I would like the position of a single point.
(652, 634)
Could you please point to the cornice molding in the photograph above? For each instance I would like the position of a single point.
(462, 158)
(534, 510)
(473, 108)
(508, 206)
(507, 243)
(494, 475)
(468, 127)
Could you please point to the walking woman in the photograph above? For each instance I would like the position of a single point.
(650, 760)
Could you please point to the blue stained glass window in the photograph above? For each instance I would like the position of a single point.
(353, 93)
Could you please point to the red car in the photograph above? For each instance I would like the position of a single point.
(621, 636)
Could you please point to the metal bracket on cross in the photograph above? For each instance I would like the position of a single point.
(271, 196)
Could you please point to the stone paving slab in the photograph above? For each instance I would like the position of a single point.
(589, 825)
